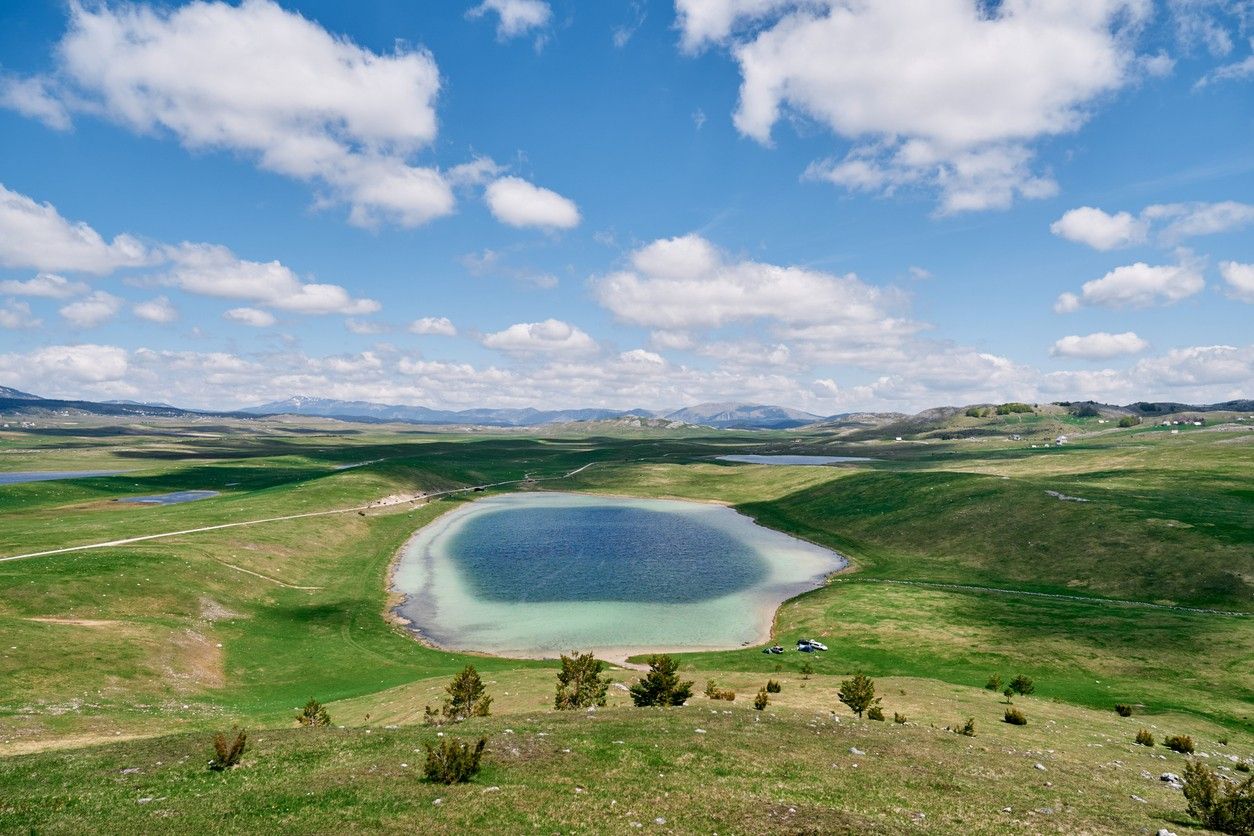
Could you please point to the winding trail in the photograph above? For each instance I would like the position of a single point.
(369, 506)
(1114, 602)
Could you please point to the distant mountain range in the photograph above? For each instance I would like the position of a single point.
(718, 415)
(727, 415)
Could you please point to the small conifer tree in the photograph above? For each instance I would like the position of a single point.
(858, 693)
(661, 685)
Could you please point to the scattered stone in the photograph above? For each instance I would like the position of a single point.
(1039, 766)
(1006, 810)
(437, 802)
(492, 789)
(854, 750)
(130, 770)
(1172, 780)
(1162, 831)
(700, 731)
(145, 799)
(659, 820)
(1138, 799)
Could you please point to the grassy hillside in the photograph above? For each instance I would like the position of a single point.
(174, 637)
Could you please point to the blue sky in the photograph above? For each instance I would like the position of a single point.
(829, 204)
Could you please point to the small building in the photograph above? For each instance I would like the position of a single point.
(1060, 440)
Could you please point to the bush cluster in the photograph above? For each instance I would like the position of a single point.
(773, 686)
(453, 762)
(1144, 738)
(661, 685)
(875, 713)
(761, 701)
(899, 718)
(1013, 408)
(968, 728)
(313, 714)
(466, 696)
(227, 752)
(1123, 709)
(715, 693)
(1181, 743)
(1015, 717)
(1228, 809)
(579, 683)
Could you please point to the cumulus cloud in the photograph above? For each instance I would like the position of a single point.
(46, 285)
(1170, 222)
(514, 17)
(683, 283)
(160, 310)
(440, 325)
(94, 309)
(947, 94)
(250, 316)
(259, 80)
(59, 365)
(35, 235)
(34, 97)
(549, 336)
(516, 202)
(1138, 285)
(1100, 230)
(16, 315)
(1099, 346)
(216, 271)
(1240, 279)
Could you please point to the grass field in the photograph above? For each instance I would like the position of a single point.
(135, 652)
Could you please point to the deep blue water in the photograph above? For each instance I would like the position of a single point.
(170, 498)
(52, 475)
(601, 553)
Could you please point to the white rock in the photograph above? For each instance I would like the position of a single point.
(854, 750)
(1039, 766)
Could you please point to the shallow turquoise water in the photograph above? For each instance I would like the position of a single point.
(535, 574)
(174, 498)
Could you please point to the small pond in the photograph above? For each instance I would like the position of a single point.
(52, 475)
(793, 460)
(537, 574)
(173, 498)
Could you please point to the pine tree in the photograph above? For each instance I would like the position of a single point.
(579, 682)
(661, 685)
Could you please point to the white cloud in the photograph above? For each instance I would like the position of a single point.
(514, 17)
(364, 327)
(1240, 279)
(256, 79)
(36, 235)
(1138, 285)
(92, 310)
(640, 355)
(516, 202)
(684, 283)
(59, 365)
(159, 310)
(47, 285)
(250, 316)
(216, 271)
(1101, 231)
(1171, 223)
(16, 315)
(1099, 346)
(440, 325)
(1200, 366)
(678, 340)
(948, 94)
(32, 97)
(551, 335)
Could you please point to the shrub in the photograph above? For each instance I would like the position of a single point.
(994, 682)
(1229, 809)
(806, 669)
(773, 686)
(1181, 743)
(453, 762)
(1015, 717)
(899, 718)
(858, 693)
(761, 701)
(968, 728)
(227, 752)
(467, 697)
(1144, 738)
(1123, 709)
(1243, 766)
(661, 685)
(1022, 685)
(579, 682)
(313, 714)
(974, 412)
(715, 693)
(1008, 694)
(1129, 421)
(1013, 408)
(875, 713)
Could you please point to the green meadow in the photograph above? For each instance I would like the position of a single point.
(970, 556)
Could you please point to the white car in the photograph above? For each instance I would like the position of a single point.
(817, 645)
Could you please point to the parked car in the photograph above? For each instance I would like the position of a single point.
(817, 645)
(774, 649)
(805, 647)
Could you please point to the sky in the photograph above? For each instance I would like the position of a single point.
(832, 205)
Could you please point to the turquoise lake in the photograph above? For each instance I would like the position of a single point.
(537, 574)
